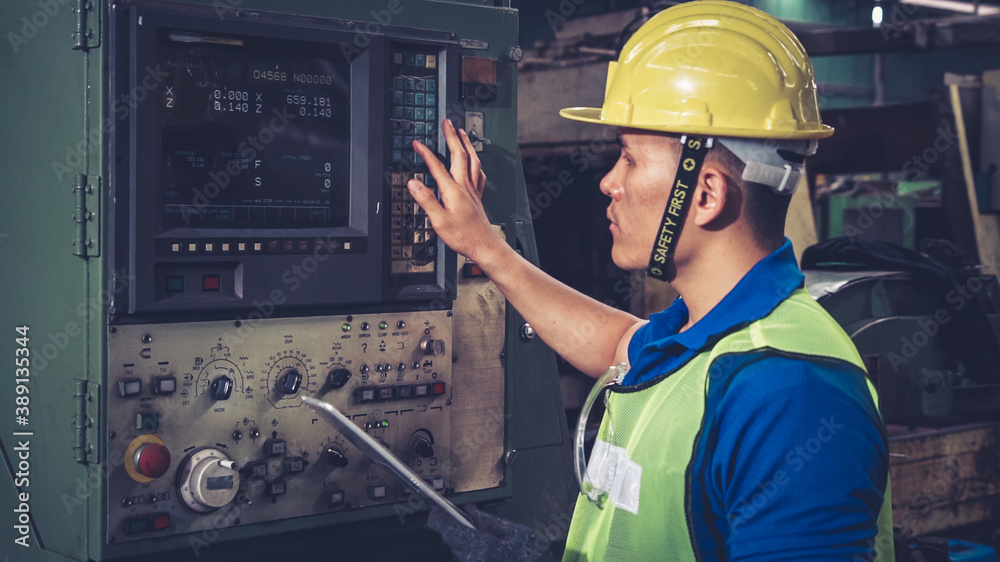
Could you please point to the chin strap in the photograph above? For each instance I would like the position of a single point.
(693, 154)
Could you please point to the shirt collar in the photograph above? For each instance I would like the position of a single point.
(766, 285)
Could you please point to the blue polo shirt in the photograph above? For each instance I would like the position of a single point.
(792, 461)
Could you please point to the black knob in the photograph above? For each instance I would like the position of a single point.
(222, 388)
(289, 381)
(334, 457)
(422, 446)
(337, 378)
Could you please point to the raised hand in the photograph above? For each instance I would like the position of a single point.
(458, 218)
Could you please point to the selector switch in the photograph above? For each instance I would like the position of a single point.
(422, 443)
(431, 346)
(289, 381)
(221, 388)
(337, 378)
(334, 456)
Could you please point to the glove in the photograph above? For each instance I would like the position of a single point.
(493, 540)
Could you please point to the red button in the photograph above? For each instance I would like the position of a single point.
(210, 283)
(161, 522)
(437, 388)
(153, 460)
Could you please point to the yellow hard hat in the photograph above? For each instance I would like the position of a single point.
(711, 68)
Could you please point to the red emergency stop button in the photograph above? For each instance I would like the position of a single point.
(152, 460)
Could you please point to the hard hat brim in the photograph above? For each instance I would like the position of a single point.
(593, 115)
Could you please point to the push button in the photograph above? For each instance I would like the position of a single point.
(129, 387)
(161, 521)
(137, 525)
(175, 284)
(164, 385)
(274, 447)
(334, 497)
(276, 488)
(366, 394)
(210, 283)
(376, 491)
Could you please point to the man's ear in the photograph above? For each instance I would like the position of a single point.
(715, 200)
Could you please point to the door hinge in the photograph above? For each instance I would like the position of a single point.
(87, 190)
(86, 444)
(88, 30)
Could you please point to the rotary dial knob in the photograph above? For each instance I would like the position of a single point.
(289, 381)
(208, 480)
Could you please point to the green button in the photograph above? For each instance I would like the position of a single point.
(383, 325)
(138, 525)
(175, 284)
(148, 422)
(346, 327)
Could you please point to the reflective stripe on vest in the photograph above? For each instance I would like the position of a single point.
(644, 462)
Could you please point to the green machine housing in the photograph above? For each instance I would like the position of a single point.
(206, 219)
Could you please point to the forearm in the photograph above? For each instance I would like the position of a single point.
(582, 330)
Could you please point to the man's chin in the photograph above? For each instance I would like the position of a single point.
(628, 263)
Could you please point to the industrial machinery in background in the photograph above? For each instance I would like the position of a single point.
(206, 219)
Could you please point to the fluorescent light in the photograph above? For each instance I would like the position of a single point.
(954, 6)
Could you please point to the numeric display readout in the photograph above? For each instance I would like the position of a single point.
(253, 139)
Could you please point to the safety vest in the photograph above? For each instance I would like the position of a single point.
(653, 441)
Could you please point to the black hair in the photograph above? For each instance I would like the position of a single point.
(765, 210)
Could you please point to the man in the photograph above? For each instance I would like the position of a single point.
(746, 428)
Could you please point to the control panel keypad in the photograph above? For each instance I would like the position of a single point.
(414, 108)
(412, 240)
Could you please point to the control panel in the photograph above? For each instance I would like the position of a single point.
(414, 108)
(207, 417)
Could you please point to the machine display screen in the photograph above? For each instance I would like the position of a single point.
(252, 138)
